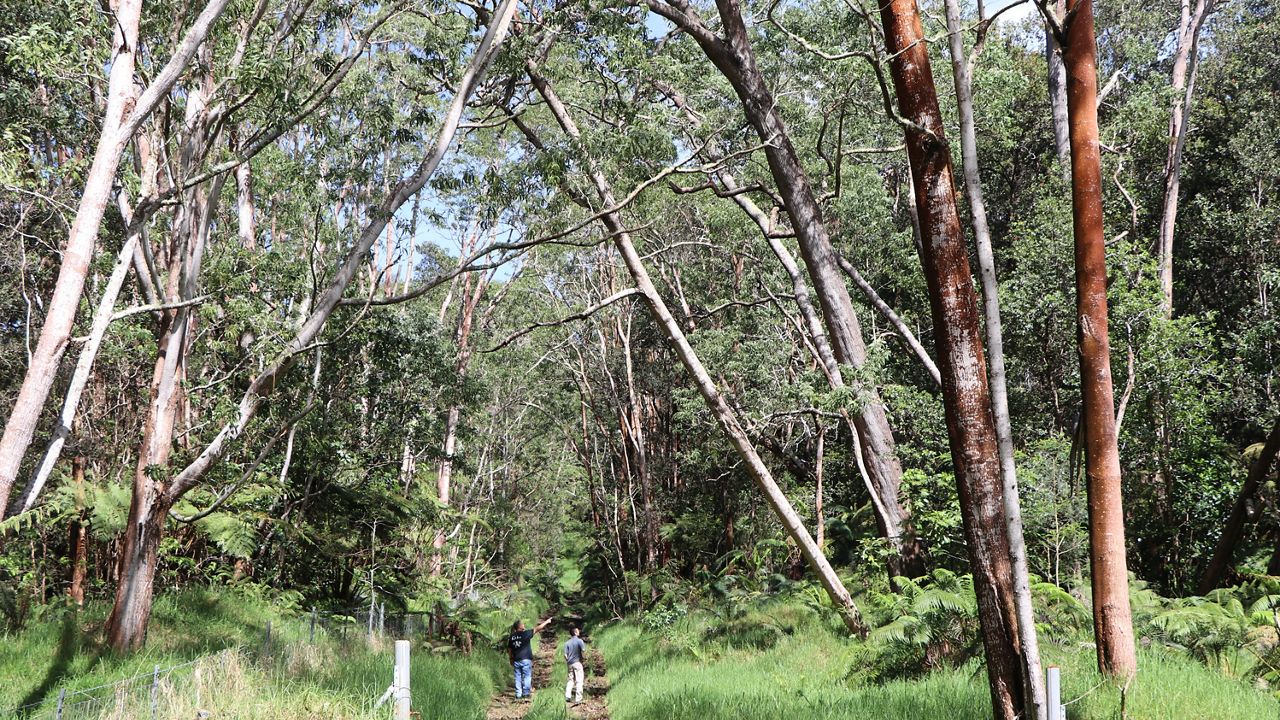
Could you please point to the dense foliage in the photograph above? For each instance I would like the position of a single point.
(527, 424)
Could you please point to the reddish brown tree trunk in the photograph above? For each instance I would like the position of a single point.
(966, 398)
(79, 540)
(1113, 624)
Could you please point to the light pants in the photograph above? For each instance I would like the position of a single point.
(524, 677)
(573, 688)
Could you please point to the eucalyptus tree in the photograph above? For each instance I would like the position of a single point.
(971, 424)
(962, 68)
(1112, 618)
(154, 496)
(734, 57)
(125, 112)
(1186, 61)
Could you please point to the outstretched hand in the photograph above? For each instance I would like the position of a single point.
(543, 624)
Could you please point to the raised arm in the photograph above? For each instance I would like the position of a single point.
(543, 624)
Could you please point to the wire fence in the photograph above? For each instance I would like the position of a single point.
(184, 690)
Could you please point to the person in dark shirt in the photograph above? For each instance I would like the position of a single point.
(574, 649)
(520, 650)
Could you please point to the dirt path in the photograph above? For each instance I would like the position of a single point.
(545, 660)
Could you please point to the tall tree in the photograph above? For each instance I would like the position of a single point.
(1112, 619)
(125, 113)
(962, 75)
(1186, 58)
(1057, 87)
(971, 428)
(734, 57)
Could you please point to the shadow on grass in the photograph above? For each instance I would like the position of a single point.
(69, 643)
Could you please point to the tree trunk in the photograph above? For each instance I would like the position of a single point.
(961, 70)
(966, 399)
(1058, 91)
(444, 483)
(715, 402)
(80, 378)
(634, 432)
(819, 520)
(1233, 530)
(1113, 624)
(246, 217)
(734, 57)
(61, 312)
(150, 503)
(453, 416)
(79, 540)
(136, 567)
(1185, 62)
(124, 114)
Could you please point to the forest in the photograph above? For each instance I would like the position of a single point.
(816, 358)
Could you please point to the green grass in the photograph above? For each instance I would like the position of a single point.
(548, 701)
(804, 670)
(231, 676)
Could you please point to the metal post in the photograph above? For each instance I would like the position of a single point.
(155, 681)
(62, 701)
(382, 618)
(266, 640)
(1053, 689)
(312, 638)
(401, 681)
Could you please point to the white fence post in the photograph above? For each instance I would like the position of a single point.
(1053, 688)
(402, 695)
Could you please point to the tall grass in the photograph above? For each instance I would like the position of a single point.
(234, 673)
(800, 668)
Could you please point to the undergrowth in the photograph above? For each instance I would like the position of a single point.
(227, 668)
(785, 657)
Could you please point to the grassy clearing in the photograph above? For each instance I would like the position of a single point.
(800, 668)
(218, 640)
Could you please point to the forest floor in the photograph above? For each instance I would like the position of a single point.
(549, 676)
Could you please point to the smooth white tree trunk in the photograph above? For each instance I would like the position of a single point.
(962, 74)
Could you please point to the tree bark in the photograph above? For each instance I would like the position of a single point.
(127, 626)
(967, 402)
(715, 402)
(1058, 90)
(1233, 530)
(819, 519)
(79, 539)
(734, 57)
(80, 378)
(124, 114)
(453, 416)
(962, 74)
(1183, 79)
(1113, 623)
